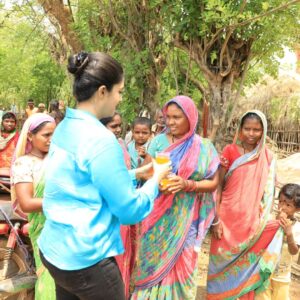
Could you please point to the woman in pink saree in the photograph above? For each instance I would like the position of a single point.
(170, 238)
(245, 246)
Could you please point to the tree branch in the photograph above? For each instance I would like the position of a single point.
(269, 12)
(64, 17)
(235, 102)
(188, 68)
(243, 6)
(118, 29)
(224, 47)
(196, 82)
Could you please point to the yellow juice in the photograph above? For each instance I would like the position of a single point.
(164, 182)
(162, 159)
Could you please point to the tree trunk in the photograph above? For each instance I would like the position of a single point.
(63, 15)
(220, 94)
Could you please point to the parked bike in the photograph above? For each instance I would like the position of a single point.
(17, 272)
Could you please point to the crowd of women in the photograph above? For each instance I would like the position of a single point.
(102, 224)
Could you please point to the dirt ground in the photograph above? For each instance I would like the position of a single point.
(202, 272)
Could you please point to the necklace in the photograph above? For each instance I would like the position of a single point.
(39, 156)
(244, 148)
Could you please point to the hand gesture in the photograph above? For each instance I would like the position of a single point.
(217, 230)
(286, 225)
(176, 184)
(142, 152)
(163, 188)
(145, 172)
(161, 170)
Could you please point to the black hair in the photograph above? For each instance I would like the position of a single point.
(30, 100)
(92, 70)
(38, 128)
(53, 105)
(141, 121)
(107, 120)
(9, 115)
(252, 116)
(292, 192)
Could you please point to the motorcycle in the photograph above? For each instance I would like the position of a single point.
(17, 272)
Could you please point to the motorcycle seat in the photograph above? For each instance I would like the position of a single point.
(8, 210)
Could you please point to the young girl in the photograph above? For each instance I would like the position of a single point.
(141, 133)
(245, 246)
(289, 204)
(28, 188)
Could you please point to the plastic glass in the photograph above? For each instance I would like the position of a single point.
(162, 157)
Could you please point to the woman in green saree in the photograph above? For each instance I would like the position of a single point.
(28, 188)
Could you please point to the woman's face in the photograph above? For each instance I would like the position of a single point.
(251, 131)
(111, 100)
(42, 139)
(9, 125)
(160, 120)
(115, 126)
(177, 121)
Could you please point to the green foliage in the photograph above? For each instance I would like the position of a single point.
(26, 67)
(146, 34)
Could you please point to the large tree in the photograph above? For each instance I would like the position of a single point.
(27, 69)
(223, 38)
(130, 30)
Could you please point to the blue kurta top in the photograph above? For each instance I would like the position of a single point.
(88, 193)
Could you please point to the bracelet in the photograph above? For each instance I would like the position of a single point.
(190, 186)
(216, 223)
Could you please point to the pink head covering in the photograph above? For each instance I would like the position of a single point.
(34, 121)
(185, 151)
(37, 119)
(190, 110)
(23, 147)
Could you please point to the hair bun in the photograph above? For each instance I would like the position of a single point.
(78, 62)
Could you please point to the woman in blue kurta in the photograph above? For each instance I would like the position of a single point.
(88, 190)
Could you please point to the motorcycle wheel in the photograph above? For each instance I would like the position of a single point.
(16, 266)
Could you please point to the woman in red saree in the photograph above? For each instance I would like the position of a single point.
(8, 139)
(245, 246)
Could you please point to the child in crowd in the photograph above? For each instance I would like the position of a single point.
(137, 148)
(289, 204)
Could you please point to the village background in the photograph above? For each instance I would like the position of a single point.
(228, 56)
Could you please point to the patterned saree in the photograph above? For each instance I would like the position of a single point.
(171, 236)
(243, 259)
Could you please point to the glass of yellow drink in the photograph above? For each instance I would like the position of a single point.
(165, 181)
(162, 157)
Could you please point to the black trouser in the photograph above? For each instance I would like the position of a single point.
(101, 281)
